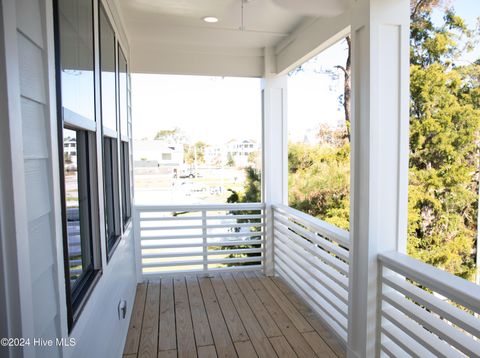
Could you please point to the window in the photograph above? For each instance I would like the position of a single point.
(124, 144)
(112, 205)
(166, 156)
(109, 124)
(77, 148)
(127, 208)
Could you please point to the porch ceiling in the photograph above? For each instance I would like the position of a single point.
(170, 36)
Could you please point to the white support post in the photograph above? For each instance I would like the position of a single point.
(275, 167)
(380, 117)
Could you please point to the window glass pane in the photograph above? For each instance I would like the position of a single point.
(126, 183)
(76, 58)
(77, 205)
(123, 95)
(107, 66)
(112, 205)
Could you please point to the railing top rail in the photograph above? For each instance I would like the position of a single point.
(455, 288)
(330, 231)
(200, 207)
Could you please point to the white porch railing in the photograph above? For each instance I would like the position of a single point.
(313, 257)
(441, 321)
(198, 238)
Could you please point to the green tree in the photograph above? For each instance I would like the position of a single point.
(175, 135)
(252, 193)
(319, 181)
(444, 137)
(230, 160)
(194, 153)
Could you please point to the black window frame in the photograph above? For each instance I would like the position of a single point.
(123, 111)
(126, 192)
(110, 154)
(77, 296)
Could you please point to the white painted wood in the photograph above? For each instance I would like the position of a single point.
(328, 259)
(149, 57)
(379, 160)
(313, 224)
(418, 333)
(200, 207)
(442, 329)
(325, 244)
(227, 243)
(196, 245)
(335, 276)
(316, 275)
(307, 41)
(444, 309)
(319, 309)
(313, 280)
(455, 288)
(274, 151)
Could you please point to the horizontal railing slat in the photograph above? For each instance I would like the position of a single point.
(331, 231)
(458, 317)
(200, 207)
(329, 246)
(455, 288)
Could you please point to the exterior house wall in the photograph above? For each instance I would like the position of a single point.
(37, 156)
(33, 286)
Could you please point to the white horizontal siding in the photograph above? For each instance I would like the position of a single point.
(37, 189)
(38, 171)
(32, 70)
(35, 144)
(40, 237)
(29, 20)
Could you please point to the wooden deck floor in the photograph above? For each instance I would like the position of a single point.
(243, 314)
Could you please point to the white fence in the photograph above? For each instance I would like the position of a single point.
(313, 256)
(427, 312)
(178, 239)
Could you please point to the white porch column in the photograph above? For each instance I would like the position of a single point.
(380, 113)
(275, 165)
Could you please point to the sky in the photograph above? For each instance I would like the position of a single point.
(217, 109)
(211, 109)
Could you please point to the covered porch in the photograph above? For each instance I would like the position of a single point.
(226, 280)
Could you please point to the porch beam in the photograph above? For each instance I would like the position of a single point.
(380, 113)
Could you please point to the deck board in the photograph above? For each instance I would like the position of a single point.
(135, 327)
(290, 332)
(183, 319)
(223, 341)
(243, 314)
(149, 335)
(167, 337)
(201, 327)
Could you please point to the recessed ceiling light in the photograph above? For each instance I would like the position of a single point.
(210, 19)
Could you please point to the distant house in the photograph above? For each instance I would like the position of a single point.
(159, 153)
(240, 151)
(215, 155)
(70, 149)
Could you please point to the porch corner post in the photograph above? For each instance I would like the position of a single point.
(274, 153)
(379, 161)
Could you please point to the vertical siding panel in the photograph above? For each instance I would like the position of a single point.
(29, 20)
(32, 70)
(34, 127)
(38, 174)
